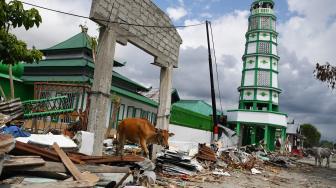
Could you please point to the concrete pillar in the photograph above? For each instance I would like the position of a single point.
(272, 139)
(165, 97)
(267, 137)
(164, 102)
(283, 139)
(239, 134)
(100, 92)
(253, 135)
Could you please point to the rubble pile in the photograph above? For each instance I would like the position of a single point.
(67, 160)
(238, 159)
(174, 167)
(176, 163)
(205, 153)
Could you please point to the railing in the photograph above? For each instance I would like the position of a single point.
(262, 11)
(47, 107)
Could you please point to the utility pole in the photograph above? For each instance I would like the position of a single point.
(213, 95)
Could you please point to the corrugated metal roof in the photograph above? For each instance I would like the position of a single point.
(55, 78)
(81, 40)
(62, 63)
(85, 79)
(198, 106)
(135, 96)
(77, 62)
(292, 128)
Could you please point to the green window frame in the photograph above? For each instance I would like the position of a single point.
(121, 112)
(130, 111)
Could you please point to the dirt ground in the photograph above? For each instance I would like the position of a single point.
(305, 175)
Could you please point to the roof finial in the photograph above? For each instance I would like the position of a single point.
(84, 28)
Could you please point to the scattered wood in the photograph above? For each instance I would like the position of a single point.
(15, 161)
(6, 143)
(86, 176)
(111, 159)
(12, 180)
(43, 152)
(60, 168)
(205, 153)
(122, 179)
(12, 108)
(68, 163)
(60, 184)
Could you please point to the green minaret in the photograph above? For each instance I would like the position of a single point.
(259, 89)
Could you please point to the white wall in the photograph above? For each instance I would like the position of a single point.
(258, 117)
(275, 80)
(249, 78)
(252, 48)
(186, 138)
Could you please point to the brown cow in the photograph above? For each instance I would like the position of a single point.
(141, 131)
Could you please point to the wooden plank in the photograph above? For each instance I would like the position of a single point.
(68, 163)
(60, 168)
(86, 176)
(60, 184)
(23, 161)
(112, 159)
(6, 143)
(45, 153)
(122, 179)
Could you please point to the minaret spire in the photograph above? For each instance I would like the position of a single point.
(259, 89)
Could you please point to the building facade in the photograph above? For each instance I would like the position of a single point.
(258, 116)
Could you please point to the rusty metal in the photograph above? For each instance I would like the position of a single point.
(78, 93)
(205, 153)
(45, 153)
(112, 159)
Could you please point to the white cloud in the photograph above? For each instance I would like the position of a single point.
(311, 32)
(57, 27)
(176, 13)
(228, 31)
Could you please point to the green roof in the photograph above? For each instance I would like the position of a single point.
(262, 1)
(76, 63)
(7, 77)
(135, 96)
(62, 63)
(81, 40)
(85, 79)
(198, 106)
(55, 79)
(70, 62)
(129, 80)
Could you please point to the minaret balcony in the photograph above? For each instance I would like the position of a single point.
(262, 11)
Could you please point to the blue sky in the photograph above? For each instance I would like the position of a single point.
(218, 7)
(307, 35)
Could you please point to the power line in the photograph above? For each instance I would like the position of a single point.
(214, 51)
(109, 21)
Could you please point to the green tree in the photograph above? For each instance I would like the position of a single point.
(12, 50)
(326, 144)
(312, 135)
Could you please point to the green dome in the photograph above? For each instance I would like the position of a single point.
(262, 1)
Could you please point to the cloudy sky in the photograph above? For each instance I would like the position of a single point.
(307, 35)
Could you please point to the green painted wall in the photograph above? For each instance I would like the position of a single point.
(22, 91)
(187, 118)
